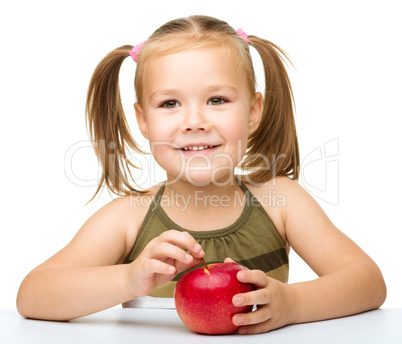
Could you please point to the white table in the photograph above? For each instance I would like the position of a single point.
(164, 326)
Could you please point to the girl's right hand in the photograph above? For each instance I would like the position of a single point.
(161, 260)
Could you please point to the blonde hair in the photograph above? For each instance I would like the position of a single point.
(275, 138)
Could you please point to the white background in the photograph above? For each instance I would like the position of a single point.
(347, 84)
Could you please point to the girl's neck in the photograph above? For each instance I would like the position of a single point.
(216, 190)
(203, 207)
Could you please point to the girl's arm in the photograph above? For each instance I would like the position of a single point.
(349, 281)
(88, 275)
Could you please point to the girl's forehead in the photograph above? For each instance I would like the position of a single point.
(214, 64)
(188, 56)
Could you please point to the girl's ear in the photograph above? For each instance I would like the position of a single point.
(255, 114)
(142, 123)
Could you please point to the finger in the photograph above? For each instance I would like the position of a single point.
(256, 297)
(258, 328)
(182, 267)
(252, 318)
(229, 260)
(256, 277)
(184, 240)
(164, 250)
(154, 266)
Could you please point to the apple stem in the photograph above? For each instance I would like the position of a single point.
(206, 266)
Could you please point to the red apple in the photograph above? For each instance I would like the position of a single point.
(203, 298)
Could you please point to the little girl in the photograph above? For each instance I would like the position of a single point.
(198, 107)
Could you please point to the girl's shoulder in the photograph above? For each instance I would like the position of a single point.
(124, 216)
(272, 192)
(292, 209)
(275, 196)
(135, 206)
(276, 192)
(137, 201)
(131, 205)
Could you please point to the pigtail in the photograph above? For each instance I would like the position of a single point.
(107, 126)
(273, 147)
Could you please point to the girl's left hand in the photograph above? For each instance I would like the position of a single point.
(273, 302)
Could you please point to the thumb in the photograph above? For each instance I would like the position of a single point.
(229, 260)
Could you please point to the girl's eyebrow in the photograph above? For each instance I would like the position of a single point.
(212, 88)
(164, 92)
(222, 87)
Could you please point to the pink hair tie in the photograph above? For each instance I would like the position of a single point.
(243, 35)
(136, 50)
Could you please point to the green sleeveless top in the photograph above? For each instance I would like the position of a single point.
(252, 240)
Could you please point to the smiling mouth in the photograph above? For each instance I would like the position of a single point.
(197, 148)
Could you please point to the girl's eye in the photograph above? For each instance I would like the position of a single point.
(170, 104)
(216, 101)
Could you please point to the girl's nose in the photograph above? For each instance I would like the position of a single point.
(195, 121)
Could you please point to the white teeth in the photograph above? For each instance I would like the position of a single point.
(196, 148)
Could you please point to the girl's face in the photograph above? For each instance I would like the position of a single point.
(197, 113)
